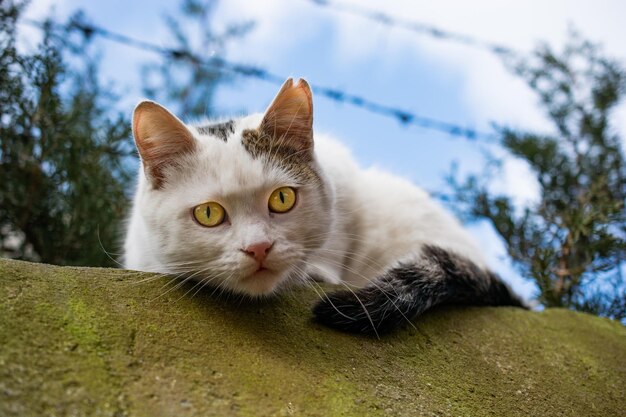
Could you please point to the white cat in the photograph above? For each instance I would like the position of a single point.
(255, 204)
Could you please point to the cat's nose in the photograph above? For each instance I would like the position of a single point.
(258, 250)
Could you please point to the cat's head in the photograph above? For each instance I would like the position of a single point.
(238, 204)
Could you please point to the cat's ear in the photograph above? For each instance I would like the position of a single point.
(161, 139)
(290, 116)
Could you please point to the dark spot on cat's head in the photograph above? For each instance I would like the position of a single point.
(219, 130)
(278, 152)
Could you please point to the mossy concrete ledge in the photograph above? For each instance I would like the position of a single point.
(103, 342)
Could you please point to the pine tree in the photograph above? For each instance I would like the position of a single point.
(572, 243)
(62, 151)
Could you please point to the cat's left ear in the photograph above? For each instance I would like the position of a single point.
(161, 138)
(290, 116)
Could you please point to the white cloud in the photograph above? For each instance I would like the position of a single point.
(518, 182)
(42, 8)
(489, 90)
(280, 26)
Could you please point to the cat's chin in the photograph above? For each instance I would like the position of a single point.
(261, 283)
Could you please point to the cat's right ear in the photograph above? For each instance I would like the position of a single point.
(289, 119)
(161, 139)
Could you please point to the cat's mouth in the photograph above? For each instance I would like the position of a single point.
(261, 281)
(260, 271)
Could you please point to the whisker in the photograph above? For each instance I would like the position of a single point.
(104, 250)
(179, 284)
(312, 282)
(202, 281)
(364, 277)
(369, 317)
(387, 295)
(218, 286)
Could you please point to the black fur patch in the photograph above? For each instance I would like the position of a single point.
(279, 152)
(220, 130)
(407, 291)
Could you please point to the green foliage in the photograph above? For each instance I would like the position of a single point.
(572, 243)
(62, 151)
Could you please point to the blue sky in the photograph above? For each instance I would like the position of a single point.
(429, 77)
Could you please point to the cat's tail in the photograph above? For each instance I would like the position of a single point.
(406, 291)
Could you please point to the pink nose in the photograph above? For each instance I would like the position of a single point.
(258, 250)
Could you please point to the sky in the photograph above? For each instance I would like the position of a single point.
(424, 75)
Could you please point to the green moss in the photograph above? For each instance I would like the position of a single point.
(78, 341)
(80, 322)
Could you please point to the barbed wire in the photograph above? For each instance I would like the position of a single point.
(413, 26)
(403, 116)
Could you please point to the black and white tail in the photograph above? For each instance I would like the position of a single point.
(406, 291)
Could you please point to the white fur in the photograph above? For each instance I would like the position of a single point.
(375, 220)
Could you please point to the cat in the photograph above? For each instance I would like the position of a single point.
(255, 204)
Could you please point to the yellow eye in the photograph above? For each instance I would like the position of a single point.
(209, 214)
(282, 200)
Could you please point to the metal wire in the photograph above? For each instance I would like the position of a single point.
(402, 116)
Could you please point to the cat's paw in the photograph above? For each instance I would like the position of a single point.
(367, 311)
